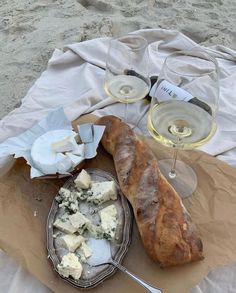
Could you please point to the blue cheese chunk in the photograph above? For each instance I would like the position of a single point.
(95, 231)
(83, 194)
(70, 266)
(64, 194)
(64, 225)
(79, 222)
(83, 180)
(72, 242)
(70, 205)
(102, 192)
(74, 206)
(85, 252)
(68, 199)
(109, 221)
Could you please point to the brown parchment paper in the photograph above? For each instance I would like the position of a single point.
(25, 203)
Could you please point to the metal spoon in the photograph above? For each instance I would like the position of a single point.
(99, 259)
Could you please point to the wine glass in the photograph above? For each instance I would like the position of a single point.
(182, 112)
(126, 78)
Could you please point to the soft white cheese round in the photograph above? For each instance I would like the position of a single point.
(45, 159)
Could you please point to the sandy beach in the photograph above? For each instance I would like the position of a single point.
(30, 31)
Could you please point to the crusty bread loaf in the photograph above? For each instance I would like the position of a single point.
(167, 231)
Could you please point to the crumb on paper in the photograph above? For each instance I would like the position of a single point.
(35, 213)
(38, 198)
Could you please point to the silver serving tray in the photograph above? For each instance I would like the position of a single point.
(92, 276)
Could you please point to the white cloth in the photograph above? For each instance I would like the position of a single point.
(14, 279)
(74, 80)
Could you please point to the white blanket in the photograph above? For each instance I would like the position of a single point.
(74, 80)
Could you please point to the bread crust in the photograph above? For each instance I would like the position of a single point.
(167, 231)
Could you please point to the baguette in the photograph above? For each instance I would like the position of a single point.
(168, 234)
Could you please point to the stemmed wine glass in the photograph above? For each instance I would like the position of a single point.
(182, 112)
(126, 78)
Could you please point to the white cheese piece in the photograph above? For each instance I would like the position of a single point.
(70, 266)
(102, 192)
(86, 250)
(72, 242)
(64, 193)
(83, 180)
(46, 160)
(76, 160)
(109, 221)
(64, 145)
(64, 225)
(79, 222)
(63, 196)
(79, 151)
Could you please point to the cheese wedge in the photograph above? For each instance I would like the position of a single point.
(64, 145)
(72, 242)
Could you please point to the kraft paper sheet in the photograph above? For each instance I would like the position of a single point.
(25, 203)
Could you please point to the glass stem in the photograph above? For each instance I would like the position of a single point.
(172, 173)
(126, 112)
(140, 119)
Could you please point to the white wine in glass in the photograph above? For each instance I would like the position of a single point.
(127, 78)
(182, 113)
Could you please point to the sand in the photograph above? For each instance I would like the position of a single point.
(31, 29)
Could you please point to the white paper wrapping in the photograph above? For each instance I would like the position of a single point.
(21, 145)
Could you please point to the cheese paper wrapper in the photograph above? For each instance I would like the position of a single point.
(24, 207)
(20, 146)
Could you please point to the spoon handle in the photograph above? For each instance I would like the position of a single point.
(137, 279)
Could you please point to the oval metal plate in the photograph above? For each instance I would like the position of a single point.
(91, 276)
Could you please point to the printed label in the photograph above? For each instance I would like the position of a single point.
(166, 91)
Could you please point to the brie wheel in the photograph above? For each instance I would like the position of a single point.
(45, 159)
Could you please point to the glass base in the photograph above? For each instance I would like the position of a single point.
(185, 182)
